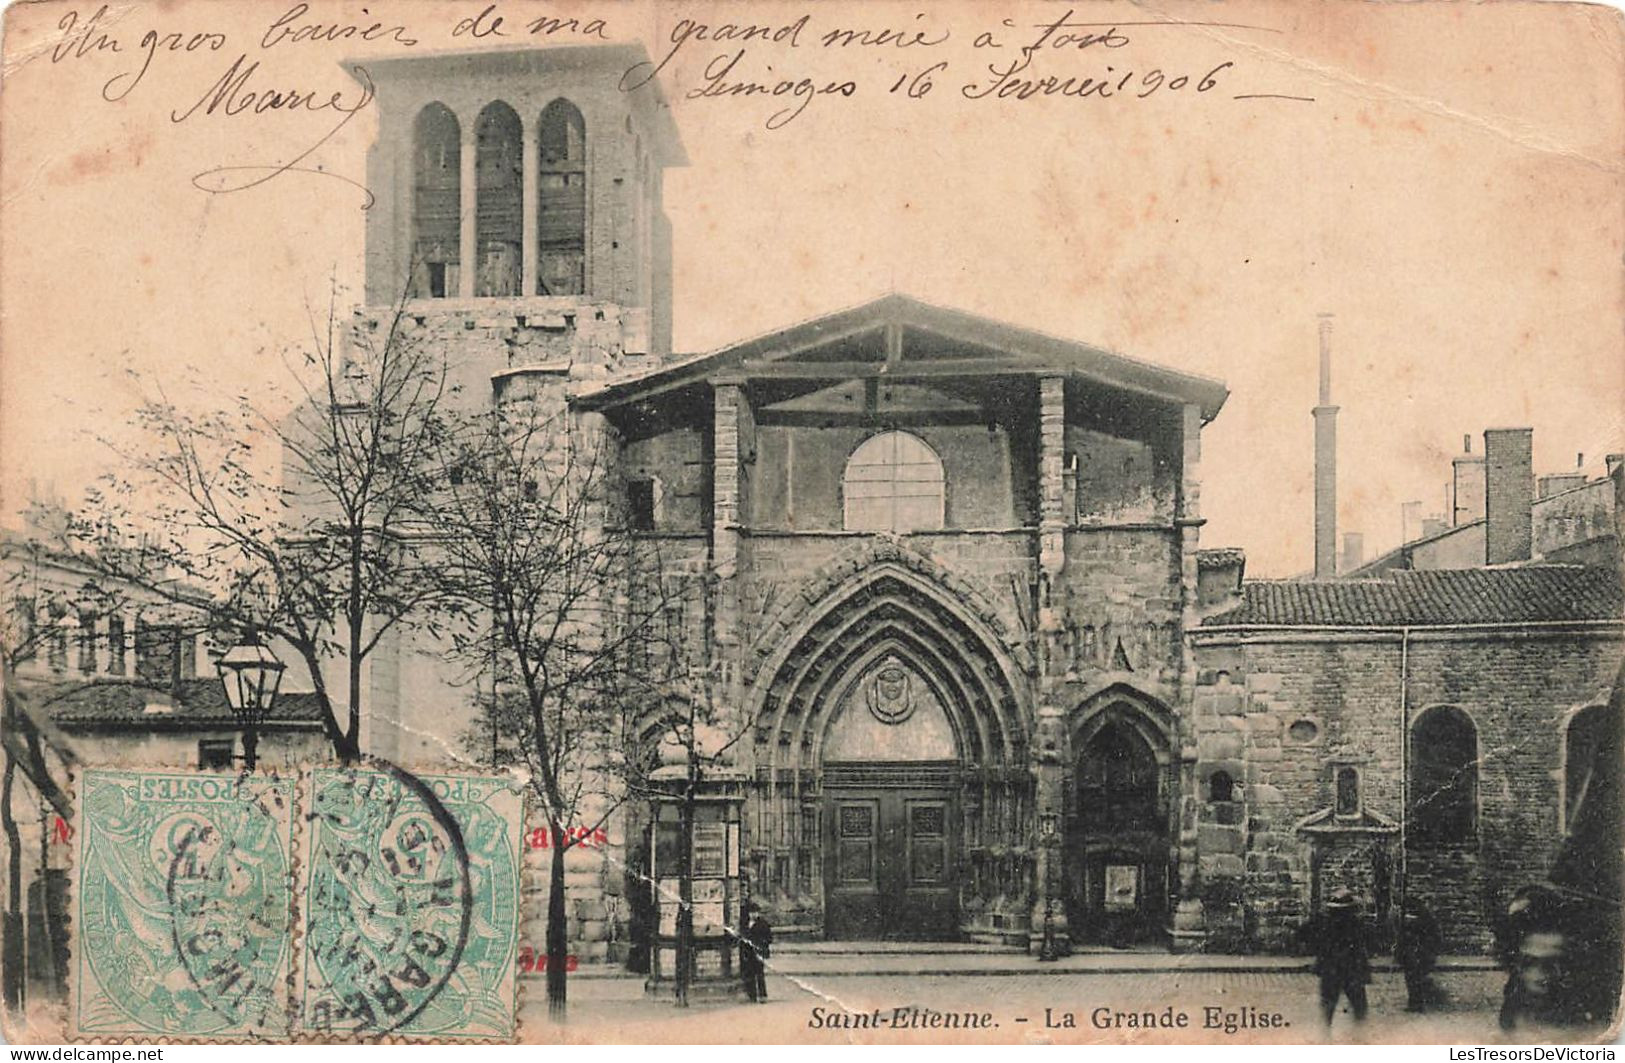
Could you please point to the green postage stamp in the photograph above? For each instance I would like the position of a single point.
(410, 888)
(183, 916)
(187, 895)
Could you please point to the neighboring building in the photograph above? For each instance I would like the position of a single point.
(97, 674)
(1565, 518)
(1415, 736)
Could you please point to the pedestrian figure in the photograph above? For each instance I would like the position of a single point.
(1342, 947)
(1417, 953)
(755, 946)
(1530, 943)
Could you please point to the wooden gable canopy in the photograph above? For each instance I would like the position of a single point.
(900, 339)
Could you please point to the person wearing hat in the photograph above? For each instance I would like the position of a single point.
(1342, 946)
(1417, 953)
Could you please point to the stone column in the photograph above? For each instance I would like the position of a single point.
(725, 474)
(1052, 519)
(129, 642)
(529, 252)
(1189, 522)
(468, 210)
(1190, 923)
(1050, 937)
(731, 420)
(101, 647)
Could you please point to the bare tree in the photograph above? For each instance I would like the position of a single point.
(324, 557)
(526, 542)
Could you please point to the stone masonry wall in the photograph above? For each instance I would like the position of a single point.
(1281, 716)
(1121, 587)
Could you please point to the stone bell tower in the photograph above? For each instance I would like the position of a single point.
(525, 182)
(518, 210)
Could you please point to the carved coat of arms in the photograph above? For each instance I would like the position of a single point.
(891, 692)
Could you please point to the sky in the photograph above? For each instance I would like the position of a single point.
(1444, 180)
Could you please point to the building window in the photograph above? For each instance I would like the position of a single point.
(561, 200)
(1302, 732)
(1221, 787)
(23, 623)
(894, 483)
(115, 644)
(437, 147)
(1584, 743)
(643, 503)
(498, 226)
(87, 641)
(1346, 791)
(57, 637)
(1118, 783)
(1444, 778)
(216, 754)
(158, 653)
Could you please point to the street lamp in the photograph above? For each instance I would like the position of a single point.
(251, 674)
(1049, 829)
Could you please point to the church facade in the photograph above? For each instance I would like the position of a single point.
(988, 683)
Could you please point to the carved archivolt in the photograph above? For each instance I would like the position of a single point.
(906, 638)
(845, 575)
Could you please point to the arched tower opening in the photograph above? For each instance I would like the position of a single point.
(561, 200)
(437, 150)
(499, 223)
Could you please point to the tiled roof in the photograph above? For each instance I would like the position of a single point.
(195, 704)
(1441, 598)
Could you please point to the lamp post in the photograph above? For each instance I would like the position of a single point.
(251, 674)
(1049, 833)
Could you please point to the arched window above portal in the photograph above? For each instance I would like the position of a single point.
(437, 150)
(894, 483)
(561, 200)
(498, 214)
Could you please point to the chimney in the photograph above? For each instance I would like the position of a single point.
(1467, 479)
(1410, 520)
(1353, 551)
(1509, 485)
(1325, 462)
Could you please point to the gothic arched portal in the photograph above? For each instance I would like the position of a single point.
(891, 752)
(1119, 865)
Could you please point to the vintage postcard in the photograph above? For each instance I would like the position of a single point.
(843, 523)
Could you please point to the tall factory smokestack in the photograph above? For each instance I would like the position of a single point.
(1325, 462)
